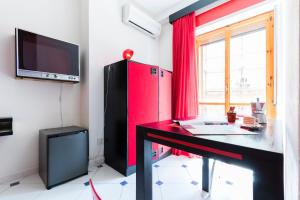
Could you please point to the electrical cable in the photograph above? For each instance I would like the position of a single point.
(105, 103)
(60, 105)
(107, 90)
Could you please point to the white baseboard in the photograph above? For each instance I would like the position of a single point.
(95, 162)
(7, 179)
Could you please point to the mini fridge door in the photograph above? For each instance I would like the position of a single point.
(67, 157)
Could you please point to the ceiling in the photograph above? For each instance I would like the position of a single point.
(160, 8)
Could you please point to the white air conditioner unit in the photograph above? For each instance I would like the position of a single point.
(138, 19)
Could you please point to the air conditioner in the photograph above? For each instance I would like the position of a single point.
(141, 21)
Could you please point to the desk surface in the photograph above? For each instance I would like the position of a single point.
(261, 153)
(269, 138)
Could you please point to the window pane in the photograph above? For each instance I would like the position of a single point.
(212, 110)
(212, 72)
(248, 67)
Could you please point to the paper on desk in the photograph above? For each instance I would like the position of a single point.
(217, 130)
(202, 121)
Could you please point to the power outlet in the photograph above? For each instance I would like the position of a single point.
(161, 150)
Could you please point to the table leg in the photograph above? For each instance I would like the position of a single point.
(143, 166)
(268, 181)
(205, 175)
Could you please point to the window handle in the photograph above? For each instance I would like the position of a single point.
(270, 81)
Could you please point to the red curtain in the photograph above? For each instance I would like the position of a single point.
(185, 90)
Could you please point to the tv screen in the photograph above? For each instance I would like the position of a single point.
(42, 57)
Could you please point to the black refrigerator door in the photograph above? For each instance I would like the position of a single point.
(68, 157)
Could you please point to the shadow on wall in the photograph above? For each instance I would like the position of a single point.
(9, 55)
(83, 67)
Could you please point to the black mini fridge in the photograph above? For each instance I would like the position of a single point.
(63, 154)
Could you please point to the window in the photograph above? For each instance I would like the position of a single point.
(236, 66)
(212, 76)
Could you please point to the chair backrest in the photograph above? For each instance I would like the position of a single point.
(94, 192)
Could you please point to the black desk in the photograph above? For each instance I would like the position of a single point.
(261, 153)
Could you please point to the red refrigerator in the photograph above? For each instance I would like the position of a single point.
(134, 93)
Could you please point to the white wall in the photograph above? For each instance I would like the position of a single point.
(108, 37)
(84, 47)
(33, 104)
(165, 47)
(289, 59)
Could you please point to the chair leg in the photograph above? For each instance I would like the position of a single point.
(207, 177)
(212, 174)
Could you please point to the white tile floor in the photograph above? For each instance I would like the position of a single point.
(174, 178)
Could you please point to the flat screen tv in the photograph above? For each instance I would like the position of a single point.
(42, 57)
